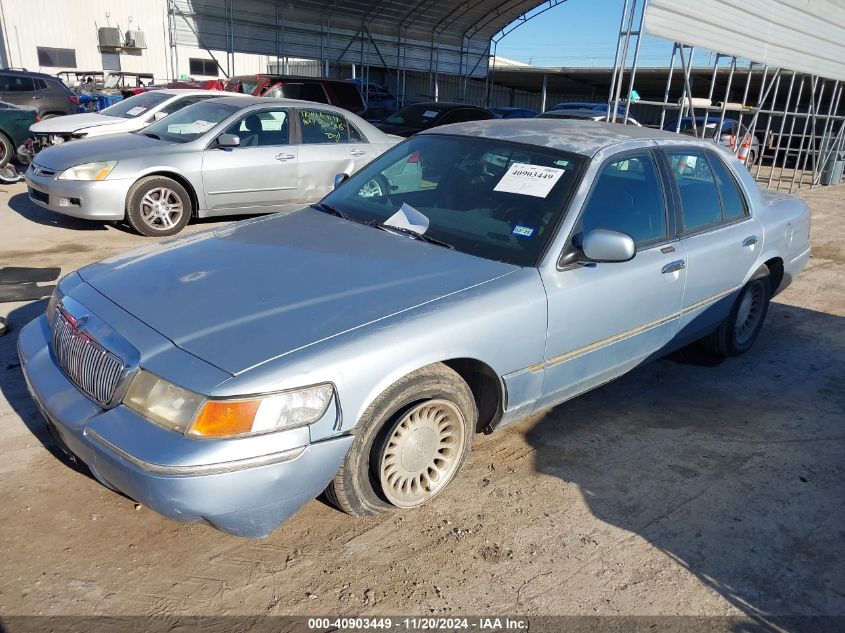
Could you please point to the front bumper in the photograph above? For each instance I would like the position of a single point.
(92, 200)
(248, 496)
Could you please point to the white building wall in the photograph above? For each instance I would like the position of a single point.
(28, 24)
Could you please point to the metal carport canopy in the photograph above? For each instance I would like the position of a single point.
(446, 36)
(807, 36)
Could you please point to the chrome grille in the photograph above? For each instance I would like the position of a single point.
(91, 367)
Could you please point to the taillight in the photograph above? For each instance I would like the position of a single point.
(37, 118)
(73, 99)
(413, 158)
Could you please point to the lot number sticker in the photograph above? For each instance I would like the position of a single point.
(529, 180)
(136, 111)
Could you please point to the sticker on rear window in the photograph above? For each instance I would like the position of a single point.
(523, 231)
(529, 180)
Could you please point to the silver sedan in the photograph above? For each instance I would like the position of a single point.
(223, 156)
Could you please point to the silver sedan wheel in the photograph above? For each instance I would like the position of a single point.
(372, 189)
(422, 453)
(161, 208)
(748, 314)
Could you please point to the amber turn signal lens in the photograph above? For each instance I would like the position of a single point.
(220, 418)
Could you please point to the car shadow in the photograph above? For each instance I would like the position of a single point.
(23, 206)
(735, 471)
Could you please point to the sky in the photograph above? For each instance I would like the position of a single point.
(577, 33)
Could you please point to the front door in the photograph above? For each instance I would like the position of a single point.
(605, 318)
(259, 176)
(330, 145)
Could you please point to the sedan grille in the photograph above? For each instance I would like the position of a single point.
(91, 367)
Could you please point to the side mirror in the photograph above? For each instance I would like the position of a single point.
(604, 245)
(339, 179)
(158, 116)
(228, 141)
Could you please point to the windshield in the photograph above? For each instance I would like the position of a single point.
(417, 116)
(712, 125)
(137, 105)
(112, 81)
(489, 198)
(190, 122)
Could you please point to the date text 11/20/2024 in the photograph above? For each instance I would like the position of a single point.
(419, 624)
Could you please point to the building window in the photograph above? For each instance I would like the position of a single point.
(203, 67)
(111, 61)
(56, 57)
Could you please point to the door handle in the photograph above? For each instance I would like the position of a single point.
(750, 240)
(673, 267)
(284, 156)
(357, 152)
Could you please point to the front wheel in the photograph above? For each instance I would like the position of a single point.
(739, 330)
(7, 150)
(158, 206)
(409, 444)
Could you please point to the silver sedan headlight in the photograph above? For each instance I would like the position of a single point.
(195, 415)
(89, 171)
(55, 298)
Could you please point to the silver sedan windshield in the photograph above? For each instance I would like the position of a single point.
(190, 122)
(490, 198)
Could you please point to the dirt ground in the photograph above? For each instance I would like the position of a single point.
(690, 486)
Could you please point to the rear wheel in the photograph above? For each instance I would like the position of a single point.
(409, 444)
(158, 206)
(7, 150)
(739, 330)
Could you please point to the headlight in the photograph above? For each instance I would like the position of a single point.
(55, 298)
(89, 171)
(191, 413)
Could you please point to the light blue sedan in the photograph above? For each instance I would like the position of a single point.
(357, 345)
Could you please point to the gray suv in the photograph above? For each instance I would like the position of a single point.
(47, 94)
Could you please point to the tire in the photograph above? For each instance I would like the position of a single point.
(397, 447)
(737, 333)
(376, 187)
(7, 150)
(146, 218)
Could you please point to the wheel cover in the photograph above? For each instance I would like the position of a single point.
(372, 189)
(422, 453)
(748, 314)
(161, 208)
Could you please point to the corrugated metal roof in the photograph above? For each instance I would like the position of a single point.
(802, 35)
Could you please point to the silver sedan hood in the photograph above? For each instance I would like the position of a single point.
(256, 290)
(111, 147)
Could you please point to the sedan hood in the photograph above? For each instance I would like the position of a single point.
(74, 123)
(256, 290)
(89, 150)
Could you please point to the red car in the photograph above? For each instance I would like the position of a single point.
(332, 91)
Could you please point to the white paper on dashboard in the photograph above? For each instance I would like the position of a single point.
(136, 111)
(408, 218)
(529, 180)
(430, 114)
(197, 127)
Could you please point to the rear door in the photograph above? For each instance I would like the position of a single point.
(329, 145)
(260, 176)
(721, 238)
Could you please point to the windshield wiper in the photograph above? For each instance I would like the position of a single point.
(327, 208)
(417, 236)
(151, 135)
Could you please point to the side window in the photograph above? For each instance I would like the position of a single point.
(733, 202)
(177, 105)
(14, 83)
(322, 127)
(697, 186)
(259, 129)
(628, 197)
(354, 135)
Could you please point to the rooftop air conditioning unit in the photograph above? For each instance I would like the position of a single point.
(109, 37)
(135, 39)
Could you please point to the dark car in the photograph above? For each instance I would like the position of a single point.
(585, 115)
(14, 129)
(508, 112)
(422, 116)
(46, 93)
(331, 91)
(379, 100)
